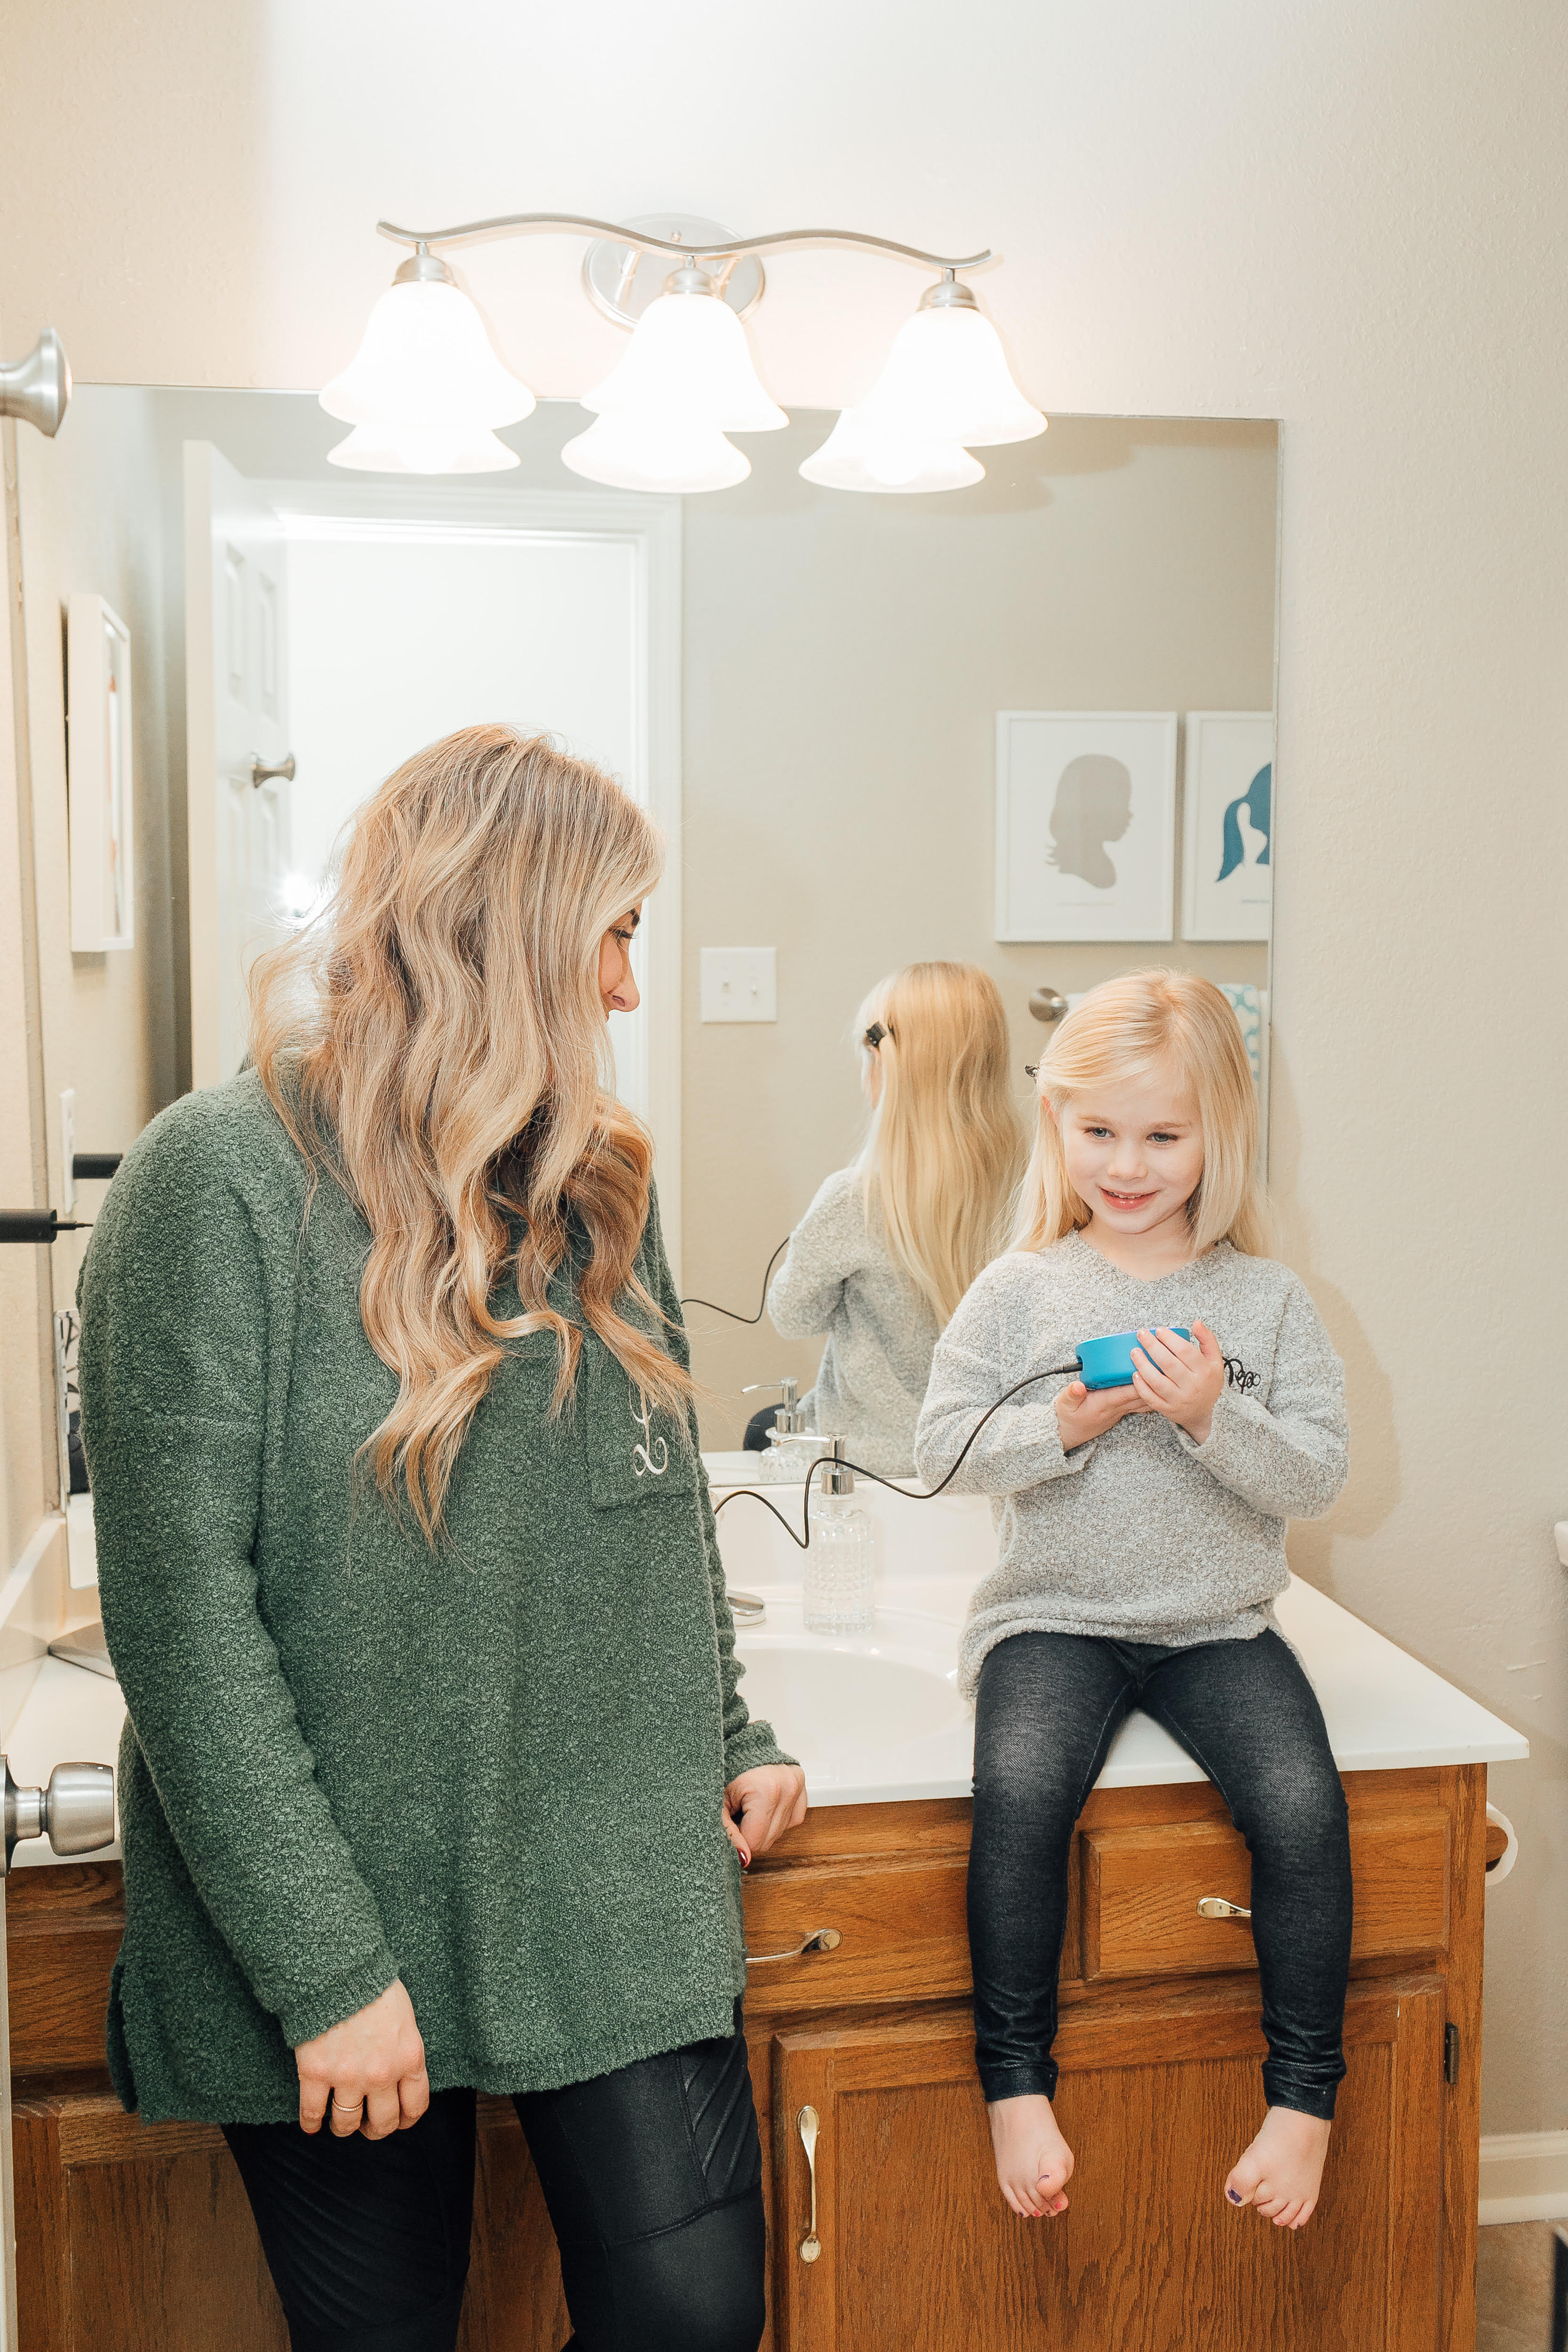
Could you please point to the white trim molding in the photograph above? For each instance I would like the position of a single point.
(1524, 2177)
(420, 509)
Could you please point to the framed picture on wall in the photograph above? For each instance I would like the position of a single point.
(98, 776)
(1228, 870)
(1086, 823)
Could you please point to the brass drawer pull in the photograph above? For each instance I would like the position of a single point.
(821, 1939)
(1215, 1906)
(805, 2124)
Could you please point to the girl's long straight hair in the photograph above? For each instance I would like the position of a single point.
(939, 1168)
(1145, 1020)
(435, 1041)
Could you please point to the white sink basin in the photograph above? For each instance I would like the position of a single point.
(869, 1715)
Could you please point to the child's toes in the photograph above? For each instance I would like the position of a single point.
(1245, 2180)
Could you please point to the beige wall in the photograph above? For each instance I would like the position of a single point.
(845, 661)
(1349, 218)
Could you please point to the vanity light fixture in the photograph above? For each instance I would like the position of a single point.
(426, 390)
(686, 380)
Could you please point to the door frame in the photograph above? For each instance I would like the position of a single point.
(652, 527)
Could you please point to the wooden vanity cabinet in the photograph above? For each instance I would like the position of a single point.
(138, 2239)
(1159, 2048)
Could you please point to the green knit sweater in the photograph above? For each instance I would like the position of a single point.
(494, 1772)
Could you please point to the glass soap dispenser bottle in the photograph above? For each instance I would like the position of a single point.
(840, 1563)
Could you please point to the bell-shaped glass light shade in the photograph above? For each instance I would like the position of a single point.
(388, 449)
(688, 359)
(427, 363)
(947, 379)
(856, 456)
(655, 453)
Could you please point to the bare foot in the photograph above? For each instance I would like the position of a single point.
(1034, 2163)
(1279, 2175)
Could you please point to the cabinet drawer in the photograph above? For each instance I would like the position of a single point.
(1140, 1890)
(900, 1929)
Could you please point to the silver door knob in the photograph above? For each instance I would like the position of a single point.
(75, 1812)
(39, 388)
(260, 774)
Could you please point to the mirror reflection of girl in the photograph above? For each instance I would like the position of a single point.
(1143, 1544)
(889, 1245)
(436, 1777)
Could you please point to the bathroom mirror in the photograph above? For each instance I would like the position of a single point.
(1025, 726)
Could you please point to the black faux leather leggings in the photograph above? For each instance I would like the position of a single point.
(1047, 1708)
(652, 2174)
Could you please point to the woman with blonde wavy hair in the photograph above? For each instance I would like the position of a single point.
(436, 1776)
(889, 1245)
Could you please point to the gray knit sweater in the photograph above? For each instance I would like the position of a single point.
(839, 1278)
(1141, 1535)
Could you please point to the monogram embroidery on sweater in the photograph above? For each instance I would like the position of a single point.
(643, 1462)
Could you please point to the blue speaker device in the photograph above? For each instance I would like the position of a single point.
(1107, 1363)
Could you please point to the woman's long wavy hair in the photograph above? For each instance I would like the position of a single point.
(1125, 1028)
(436, 1042)
(941, 1165)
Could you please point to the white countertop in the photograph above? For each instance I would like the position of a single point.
(877, 1716)
(1384, 1710)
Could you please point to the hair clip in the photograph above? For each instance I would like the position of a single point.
(875, 1035)
(1031, 1069)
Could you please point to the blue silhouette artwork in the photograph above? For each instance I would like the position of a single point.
(1255, 800)
(1093, 806)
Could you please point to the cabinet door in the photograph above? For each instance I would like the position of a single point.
(919, 2254)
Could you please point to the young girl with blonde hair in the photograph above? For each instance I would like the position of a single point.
(889, 1245)
(1141, 1546)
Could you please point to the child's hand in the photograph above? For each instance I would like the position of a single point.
(1083, 1413)
(1180, 1379)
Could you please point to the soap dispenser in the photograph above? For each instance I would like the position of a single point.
(790, 1447)
(840, 1562)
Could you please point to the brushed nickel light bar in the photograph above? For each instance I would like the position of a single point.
(426, 390)
(509, 224)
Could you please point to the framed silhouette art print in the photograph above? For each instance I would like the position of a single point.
(1227, 830)
(1086, 825)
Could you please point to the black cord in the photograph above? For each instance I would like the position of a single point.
(1235, 1376)
(729, 1310)
(803, 1542)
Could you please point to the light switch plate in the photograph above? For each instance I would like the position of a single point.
(740, 984)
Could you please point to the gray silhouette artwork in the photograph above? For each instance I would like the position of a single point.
(1093, 806)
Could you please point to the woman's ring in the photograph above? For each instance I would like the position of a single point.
(343, 2106)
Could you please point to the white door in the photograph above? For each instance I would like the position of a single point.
(237, 725)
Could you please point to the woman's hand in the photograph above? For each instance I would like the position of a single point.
(1180, 1379)
(371, 2069)
(1083, 1412)
(765, 1803)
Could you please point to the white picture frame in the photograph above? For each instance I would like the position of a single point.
(1228, 878)
(100, 781)
(1086, 825)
